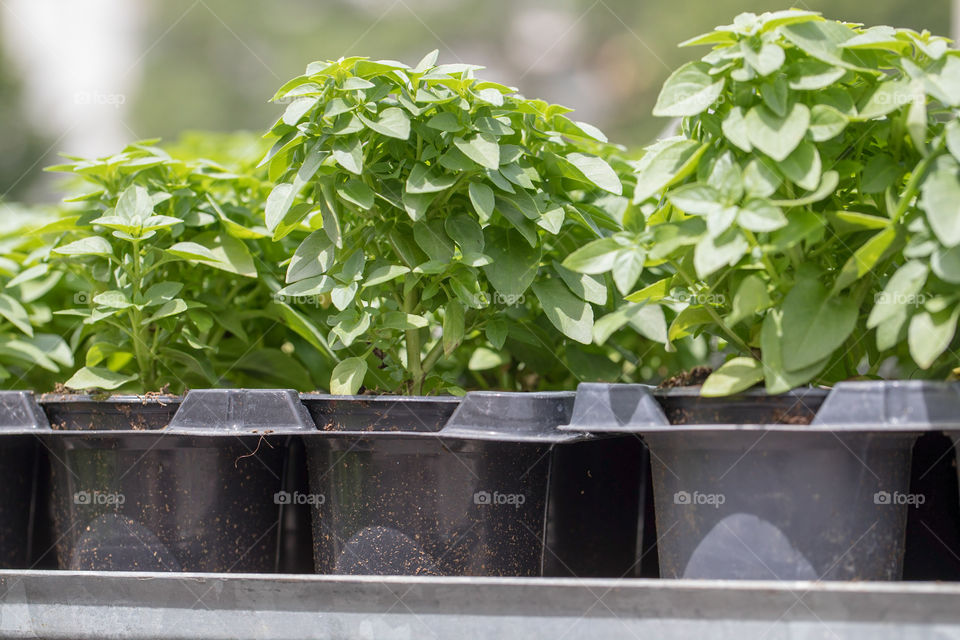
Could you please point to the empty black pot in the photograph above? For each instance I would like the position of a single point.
(202, 494)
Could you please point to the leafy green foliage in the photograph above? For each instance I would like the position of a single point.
(814, 178)
(432, 210)
(161, 262)
(32, 355)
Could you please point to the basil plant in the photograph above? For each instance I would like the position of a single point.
(431, 211)
(167, 294)
(33, 354)
(806, 215)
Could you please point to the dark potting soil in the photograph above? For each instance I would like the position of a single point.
(691, 378)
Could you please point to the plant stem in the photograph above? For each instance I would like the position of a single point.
(714, 315)
(140, 350)
(913, 186)
(413, 346)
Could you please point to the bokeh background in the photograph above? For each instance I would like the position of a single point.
(86, 76)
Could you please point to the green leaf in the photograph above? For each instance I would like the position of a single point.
(92, 246)
(768, 59)
(761, 216)
(514, 263)
(828, 184)
(445, 121)
(751, 298)
(384, 274)
(865, 258)
(735, 129)
(97, 378)
(647, 319)
(627, 267)
(778, 379)
(586, 287)
(570, 315)
(348, 153)
(712, 253)
(815, 324)
(14, 312)
(696, 199)
(734, 376)
(358, 193)
(930, 334)
(393, 122)
(496, 332)
(402, 321)
(813, 75)
(595, 257)
(481, 148)
(597, 171)
(941, 201)
(453, 326)
(901, 291)
(760, 179)
(880, 172)
(774, 135)
(688, 91)
(826, 122)
(652, 293)
(313, 257)
(666, 164)
(347, 377)
(946, 264)
(483, 359)
(481, 196)
(803, 167)
(821, 40)
(168, 310)
(424, 179)
(686, 320)
(889, 96)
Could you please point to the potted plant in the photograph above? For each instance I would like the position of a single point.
(431, 211)
(803, 218)
(31, 356)
(164, 296)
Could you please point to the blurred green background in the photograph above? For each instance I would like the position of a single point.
(85, 77)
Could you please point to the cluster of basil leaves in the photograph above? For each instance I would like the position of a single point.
(158, 269)
(432, 211)
(808, 212)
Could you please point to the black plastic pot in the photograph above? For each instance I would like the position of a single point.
(767, 496)
(20, 454)
(202, 494)
(433, 486)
